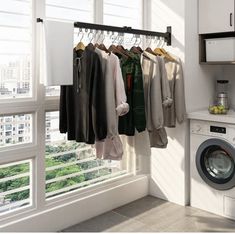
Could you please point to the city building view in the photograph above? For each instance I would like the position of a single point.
(15, 77)
(15, 129)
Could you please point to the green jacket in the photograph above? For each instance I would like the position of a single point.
(133, 80)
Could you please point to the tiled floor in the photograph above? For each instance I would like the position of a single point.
(150, 214)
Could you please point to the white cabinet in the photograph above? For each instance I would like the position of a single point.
(216, 16)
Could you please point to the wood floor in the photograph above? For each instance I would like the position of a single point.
(150, 214)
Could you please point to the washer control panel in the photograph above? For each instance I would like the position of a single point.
(217, 129)
(214, 129)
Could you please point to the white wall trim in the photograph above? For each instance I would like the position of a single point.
(147, 17)
(98, 11)
(71, 213)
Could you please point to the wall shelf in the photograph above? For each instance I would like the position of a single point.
(202, 47)
(217, 63)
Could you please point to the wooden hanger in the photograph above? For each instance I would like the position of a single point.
(103, 47)
(158, 51)
(163, 52)
(80, 46)
(148, 49)
(113, 49)
(140, 49)
(122, 49)
(136, 50)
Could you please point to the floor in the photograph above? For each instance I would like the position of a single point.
(150, 214)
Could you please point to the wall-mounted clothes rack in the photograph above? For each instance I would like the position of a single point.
(166, 35)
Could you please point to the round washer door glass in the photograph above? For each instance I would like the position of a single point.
(216, 163)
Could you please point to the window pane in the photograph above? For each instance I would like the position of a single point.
(71, 165)
(21, 7)
(52, 91)
(15, 129)
(15, 49)
(124, 13)
(15, 184)
(68, 10)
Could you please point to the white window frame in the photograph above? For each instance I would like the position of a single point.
(38, 104)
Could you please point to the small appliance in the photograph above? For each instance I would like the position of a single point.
(222, 94)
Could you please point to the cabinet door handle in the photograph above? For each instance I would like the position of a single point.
(231, 19)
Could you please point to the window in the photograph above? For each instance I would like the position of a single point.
(19, 130)
(124, 13)
(15, 49)
(29, 121)
(68, 10)
(15, 184)
(71, 165)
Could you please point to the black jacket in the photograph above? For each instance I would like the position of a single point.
(82, 105)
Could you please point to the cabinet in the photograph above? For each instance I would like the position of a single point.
(216, 16)
(216, 20)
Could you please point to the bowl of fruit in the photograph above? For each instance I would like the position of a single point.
(218, 110)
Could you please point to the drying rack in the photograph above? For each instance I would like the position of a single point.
(166, 35)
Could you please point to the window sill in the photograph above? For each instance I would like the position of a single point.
(107, 196)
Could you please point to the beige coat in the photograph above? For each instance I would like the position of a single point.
(176, 82)
(157, 93)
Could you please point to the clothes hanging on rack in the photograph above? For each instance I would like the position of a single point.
(111, 148)
(133, 80)
(82, 105)
(106, 86)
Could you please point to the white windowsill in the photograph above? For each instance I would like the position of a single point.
(79, 196)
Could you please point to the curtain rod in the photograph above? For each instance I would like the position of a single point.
(125, 29)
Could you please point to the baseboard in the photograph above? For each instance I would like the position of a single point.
(66, 215)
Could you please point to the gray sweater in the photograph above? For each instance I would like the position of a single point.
(176, 81)
(156, 89)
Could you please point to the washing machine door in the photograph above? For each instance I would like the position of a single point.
(215, 161)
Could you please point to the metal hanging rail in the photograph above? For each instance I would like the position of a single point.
(125, 29)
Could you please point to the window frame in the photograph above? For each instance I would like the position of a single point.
(38, 105)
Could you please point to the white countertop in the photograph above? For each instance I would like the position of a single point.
(205, 115)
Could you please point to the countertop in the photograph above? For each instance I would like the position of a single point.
(205, 115)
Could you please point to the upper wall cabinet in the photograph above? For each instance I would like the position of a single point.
(216, 16)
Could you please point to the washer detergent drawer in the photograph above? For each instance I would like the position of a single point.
(229, 207)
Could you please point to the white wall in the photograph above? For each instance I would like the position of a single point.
(167, 165)
(200, 79)
(170, 167)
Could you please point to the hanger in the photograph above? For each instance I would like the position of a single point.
(138, 47)
(162, 52)
(148, 49)
(119, 49)
(134, 49)
(80, 45)
(158, 51)
(102, 46)
(120, 41)
(114, 49)
(91, 38)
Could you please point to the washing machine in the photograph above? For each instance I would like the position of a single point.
(212, 167)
